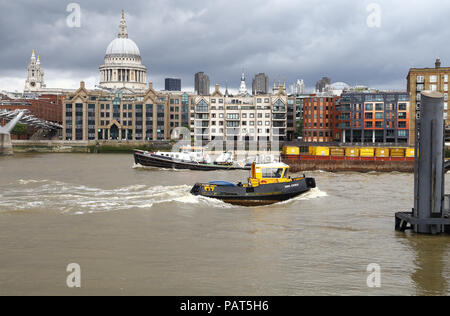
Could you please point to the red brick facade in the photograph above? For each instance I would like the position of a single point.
(45, 107)
(320, 122)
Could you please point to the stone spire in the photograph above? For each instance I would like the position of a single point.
(38, 60)
(33, 55)
(226, 90)
(123, 33)
(243, 88)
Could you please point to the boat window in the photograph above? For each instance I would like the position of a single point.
(272, 173)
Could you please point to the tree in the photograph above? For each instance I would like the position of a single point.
(19, 130)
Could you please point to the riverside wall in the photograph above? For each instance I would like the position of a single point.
(57, 146)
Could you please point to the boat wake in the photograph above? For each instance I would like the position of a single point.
(72, 199)
(65, 198)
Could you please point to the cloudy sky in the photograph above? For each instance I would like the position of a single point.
(293, 39)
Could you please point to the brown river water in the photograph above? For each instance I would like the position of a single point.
(137, 231)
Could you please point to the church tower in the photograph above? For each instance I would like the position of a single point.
(243, 87)
(35, 75)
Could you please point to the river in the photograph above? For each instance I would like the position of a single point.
(137, 231)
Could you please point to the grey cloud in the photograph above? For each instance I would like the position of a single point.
(294, 39)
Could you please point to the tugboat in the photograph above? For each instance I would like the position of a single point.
(268, 184)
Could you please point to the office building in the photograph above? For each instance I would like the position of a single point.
(260, 84)
(322, 84)
(381, 117)
(172, 84)
(319, 118)
(202, 84)
(124, 115)
(421, 79)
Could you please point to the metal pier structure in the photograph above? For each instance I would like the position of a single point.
(20, 116)
(430, 214)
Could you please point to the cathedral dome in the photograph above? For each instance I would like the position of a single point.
(123, 46)
(123, 66)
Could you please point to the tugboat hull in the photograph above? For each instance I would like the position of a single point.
(264, 194)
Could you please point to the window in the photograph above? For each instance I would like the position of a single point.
(378, 124)
(369, 107)
(433, 87)
(202, 106)
(369, 125)
(379, 107)
(402, 115)
(402, 133)
(368, 116)
(445, 78)
(379, 115)
(401, 124)
(232, 116)
(272, 173)
(433, 78)
(420, 79)
(402, 106)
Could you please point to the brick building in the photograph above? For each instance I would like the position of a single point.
(319, 119)
(421, 79)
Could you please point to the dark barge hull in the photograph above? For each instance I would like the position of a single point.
(147, 159)
(262, 195)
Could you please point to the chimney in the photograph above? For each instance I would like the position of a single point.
(82, 85)
(150, 85)
(438, 63)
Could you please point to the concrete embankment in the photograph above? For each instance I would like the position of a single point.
(355, 165)
(55, 146)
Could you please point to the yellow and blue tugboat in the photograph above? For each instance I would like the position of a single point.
(268, 184)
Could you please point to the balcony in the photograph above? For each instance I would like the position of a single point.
(278, 117)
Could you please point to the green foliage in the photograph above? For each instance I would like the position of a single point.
(447, 152)
(125, 149)
(20, 129)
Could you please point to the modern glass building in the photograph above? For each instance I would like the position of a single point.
(381, 117)
(172, 84)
